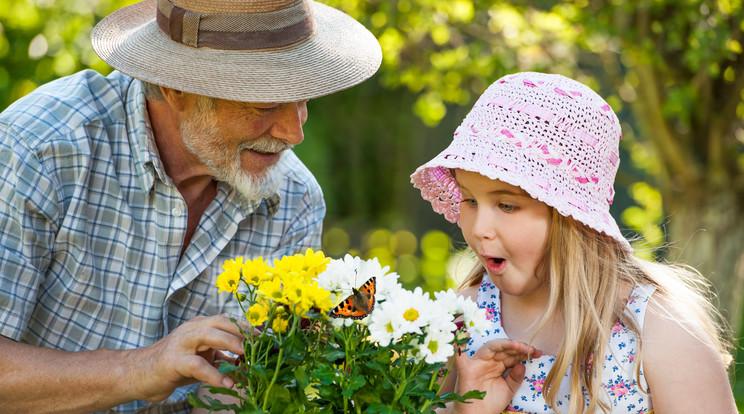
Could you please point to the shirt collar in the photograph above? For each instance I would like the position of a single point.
(146, 156)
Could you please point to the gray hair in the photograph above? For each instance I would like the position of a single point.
(152, 91)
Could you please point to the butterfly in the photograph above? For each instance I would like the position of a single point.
(359, 304)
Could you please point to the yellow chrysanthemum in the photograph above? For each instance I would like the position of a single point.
(255, 271)
(319, 297)
(315, 262)
(272, 290)
(296, 292)
(280, 325)
(229, 279)
(287, 264)
(257, 314)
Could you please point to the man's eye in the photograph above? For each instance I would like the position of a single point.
(507, 208)
(469, 202)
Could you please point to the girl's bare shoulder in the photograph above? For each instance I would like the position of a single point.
(470, 292)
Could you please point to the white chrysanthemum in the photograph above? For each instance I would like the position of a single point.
(436, 347)
(450, 301)
(339, 323)
(474, 317)
(413, 308)
(341, 275)
(441, 319)
(385, 325)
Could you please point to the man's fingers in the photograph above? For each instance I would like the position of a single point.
(207, 338)
(198, 368)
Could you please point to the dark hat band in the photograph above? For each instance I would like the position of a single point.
(236, 31)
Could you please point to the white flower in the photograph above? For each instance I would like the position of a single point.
(449, 301)
(385, 325)
(440, 319)
(341, 275)
(437, 347)
(475, 318)
(414, 309)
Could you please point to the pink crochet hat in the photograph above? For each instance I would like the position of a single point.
(550, 135)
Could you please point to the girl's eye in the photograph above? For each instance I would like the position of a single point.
(507, 208)
(470, 202)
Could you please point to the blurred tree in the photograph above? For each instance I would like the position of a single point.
(674, 68)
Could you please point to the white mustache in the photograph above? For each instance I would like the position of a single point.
(265, 144)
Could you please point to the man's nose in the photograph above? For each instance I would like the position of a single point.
(288, 122)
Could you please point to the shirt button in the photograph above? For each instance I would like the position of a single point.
(177, 211)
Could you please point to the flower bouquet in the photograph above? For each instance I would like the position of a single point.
(340, 336)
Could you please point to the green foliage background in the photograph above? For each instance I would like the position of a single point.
(673, 70)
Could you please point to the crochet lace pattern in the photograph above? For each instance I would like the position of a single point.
(550, 135)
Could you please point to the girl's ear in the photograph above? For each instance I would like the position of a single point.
(176, 99)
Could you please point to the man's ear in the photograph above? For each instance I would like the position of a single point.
(176, 99)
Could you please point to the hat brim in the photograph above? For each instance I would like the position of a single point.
(340, 54)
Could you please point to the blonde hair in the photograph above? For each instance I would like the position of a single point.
(586, 271)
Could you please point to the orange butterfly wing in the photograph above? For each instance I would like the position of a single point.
(359, 304)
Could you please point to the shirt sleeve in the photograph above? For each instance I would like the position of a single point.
(28, 209)
(306, 229)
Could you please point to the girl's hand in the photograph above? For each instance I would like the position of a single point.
(487, 371)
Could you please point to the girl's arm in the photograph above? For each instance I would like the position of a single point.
(685, 374)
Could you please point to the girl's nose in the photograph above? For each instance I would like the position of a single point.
(485, 225)
(288, 123)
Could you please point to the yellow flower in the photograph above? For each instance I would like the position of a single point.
(315, 262)
(255, 271)
(229, 279)
(257, 314)
(280, 325)
(319, 297)
(272, 289)
(289, 264)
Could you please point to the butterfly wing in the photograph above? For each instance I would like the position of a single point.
(359, 304)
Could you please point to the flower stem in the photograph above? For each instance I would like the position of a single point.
(273, 378)
(432, 381)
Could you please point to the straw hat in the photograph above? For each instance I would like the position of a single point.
(240, 50)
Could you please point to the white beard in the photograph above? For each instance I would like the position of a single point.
(200, 136)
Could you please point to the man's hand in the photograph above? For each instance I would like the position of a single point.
(487, 371)
(187, 355)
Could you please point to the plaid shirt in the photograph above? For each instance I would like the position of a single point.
(91, 227)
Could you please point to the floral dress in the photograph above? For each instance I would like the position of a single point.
(625, 393)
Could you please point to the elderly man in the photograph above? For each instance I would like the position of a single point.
(122, 195)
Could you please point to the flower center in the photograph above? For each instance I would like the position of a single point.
(411, 315)
(433, 346)
(389, 327)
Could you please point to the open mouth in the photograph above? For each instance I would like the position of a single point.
(495, 264)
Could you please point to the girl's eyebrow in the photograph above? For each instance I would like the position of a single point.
(519, 193)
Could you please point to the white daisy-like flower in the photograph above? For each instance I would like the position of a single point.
(413, 308)
(449, 301)
(436, 347)
(474, 317)
(441, 319)
(385, 325)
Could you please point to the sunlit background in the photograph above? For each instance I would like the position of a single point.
(672, 70)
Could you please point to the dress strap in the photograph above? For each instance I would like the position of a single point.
(638, 302)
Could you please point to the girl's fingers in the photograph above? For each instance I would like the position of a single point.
(515, 377)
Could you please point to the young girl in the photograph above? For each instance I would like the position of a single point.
(529, 180)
